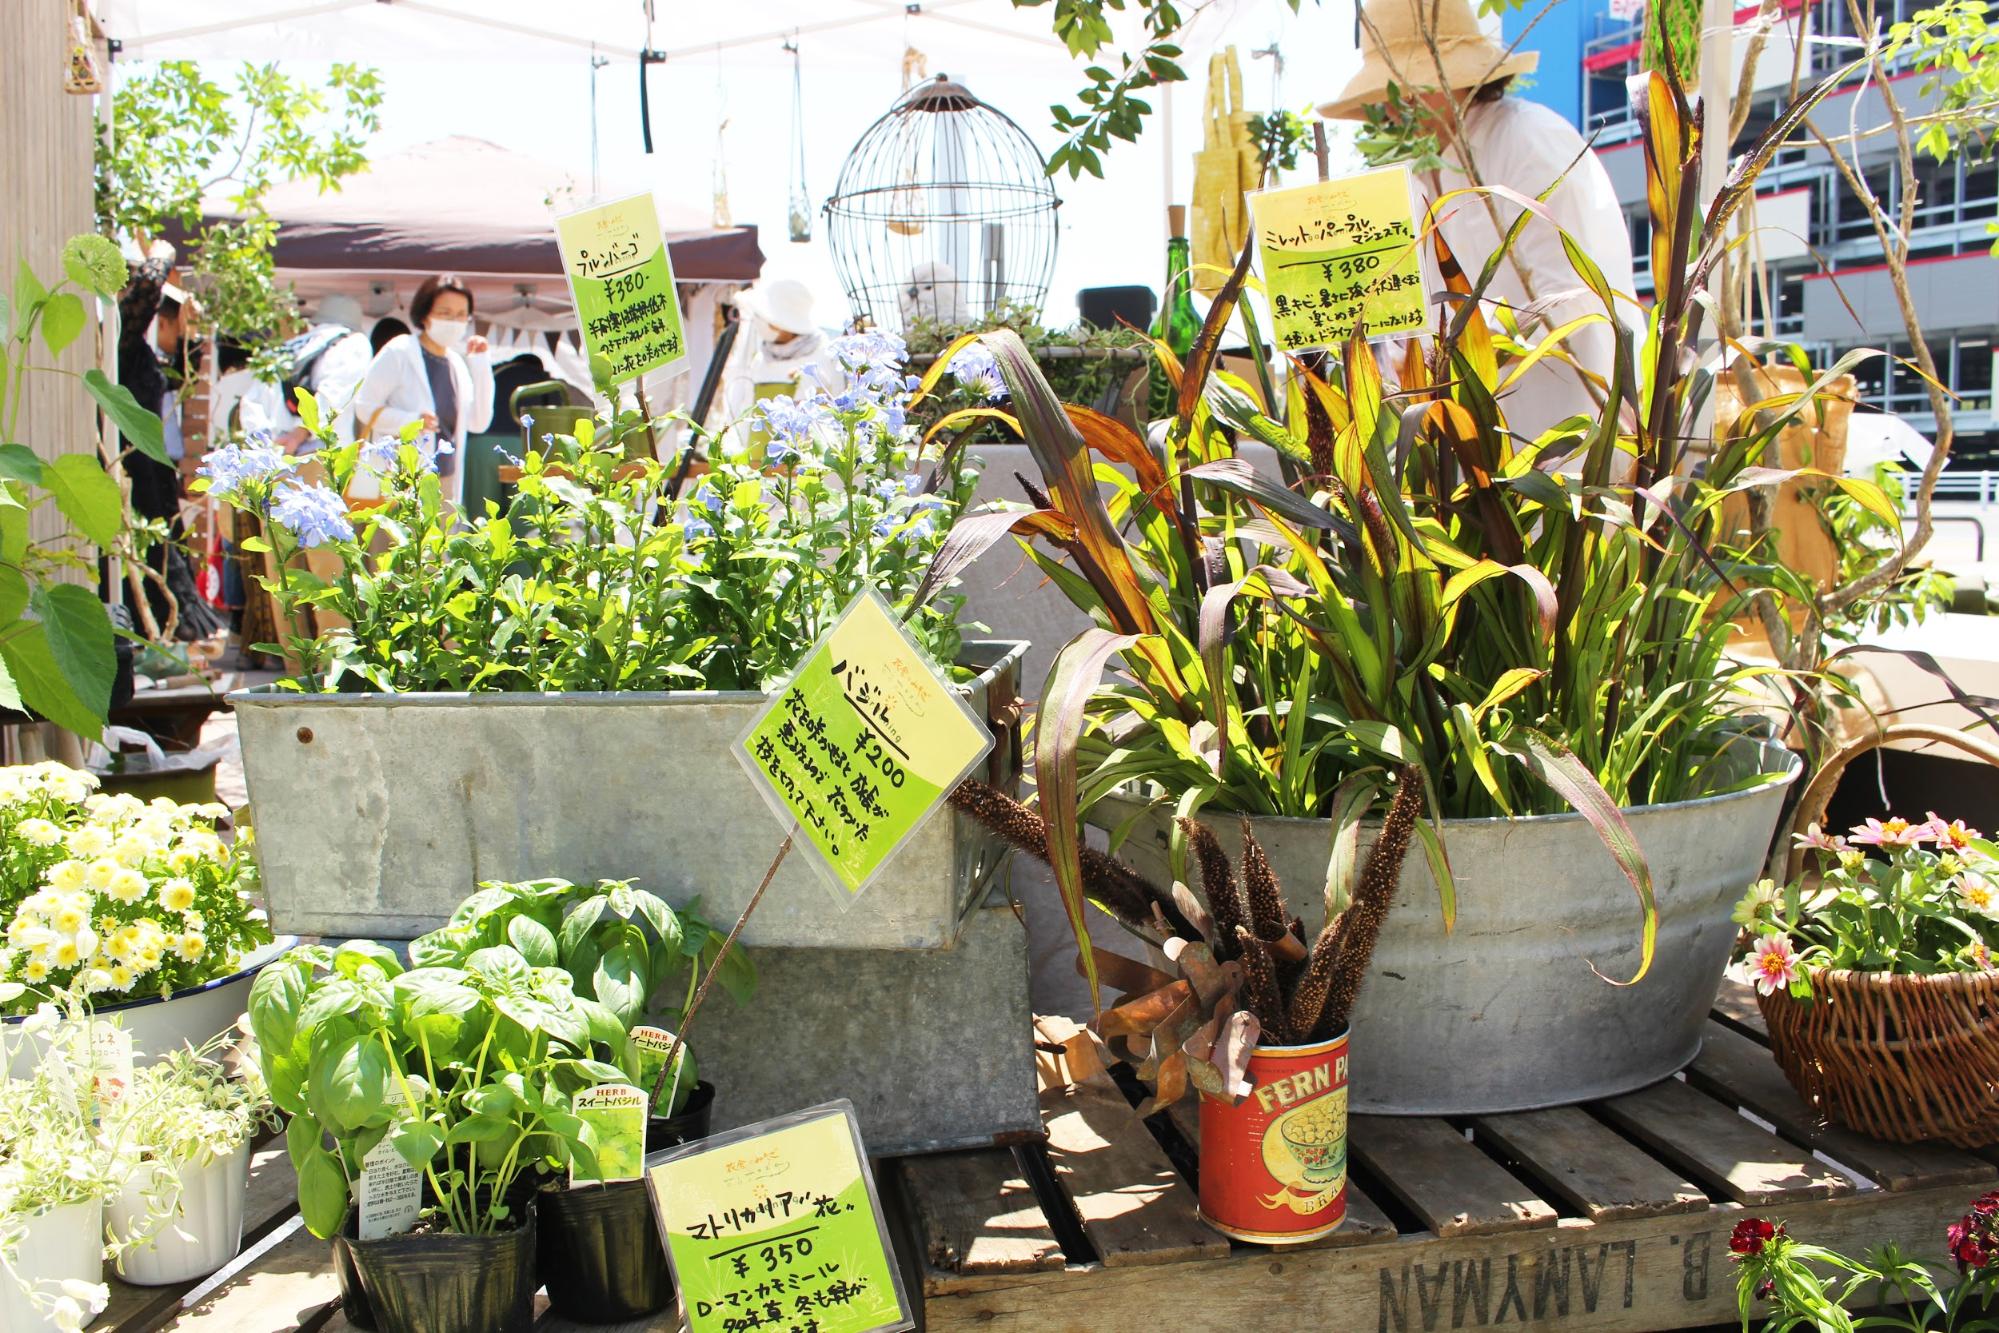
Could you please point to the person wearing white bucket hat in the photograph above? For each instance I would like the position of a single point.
(778, 345)
(1454, 78)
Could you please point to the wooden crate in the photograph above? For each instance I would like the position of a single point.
(1609, 1216)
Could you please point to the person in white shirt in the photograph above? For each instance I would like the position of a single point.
(441, 376)
(1525, 147)
(778, 345)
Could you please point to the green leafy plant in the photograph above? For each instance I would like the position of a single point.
(56, 650)
(622, 947)
(1434, 594)
(1083, 365)
(1914, 899)
(178, 137)
(1811, 1287)
(1279, 138)
(1866, 542)
(600, 577)
(467, 1072)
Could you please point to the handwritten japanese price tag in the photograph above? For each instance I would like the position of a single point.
(862, 744)
(1339, 253)
(776, 1227)
(622, 278)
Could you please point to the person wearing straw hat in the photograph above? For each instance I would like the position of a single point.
(1454, 80)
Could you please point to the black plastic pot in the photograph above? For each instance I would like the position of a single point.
(599, 1248)
(451, 1284)
(353, 1300)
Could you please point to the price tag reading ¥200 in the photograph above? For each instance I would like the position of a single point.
(862, 744)
(776, 1226)
(622, 278)
(1340, 253)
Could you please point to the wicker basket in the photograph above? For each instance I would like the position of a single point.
(1902, 1058)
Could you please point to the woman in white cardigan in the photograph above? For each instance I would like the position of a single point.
(441, 375)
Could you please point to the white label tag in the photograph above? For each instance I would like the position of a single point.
(616, 1113)
(110, 1062)
(390, 1193)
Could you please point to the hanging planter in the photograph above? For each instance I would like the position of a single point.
(1274, 1165)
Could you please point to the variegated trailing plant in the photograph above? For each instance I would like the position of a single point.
(1435, 593)
(1246, 973)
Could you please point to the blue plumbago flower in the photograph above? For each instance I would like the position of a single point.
(693, 527)
(777, 453)
(313, 514)
(789, 420)
(244, 471)
(380, 455)
(873, 350)
(975, 369)
(710, 499)
(527, 421)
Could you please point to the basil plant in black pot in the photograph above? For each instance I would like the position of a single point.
(467, 1071)
(627, 952)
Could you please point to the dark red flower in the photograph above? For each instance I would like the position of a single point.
(1751, 1234)
(1766, 1288)
(1972, 1239)
(1986, 1205)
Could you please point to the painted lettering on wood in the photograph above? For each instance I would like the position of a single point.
(1548, 1282)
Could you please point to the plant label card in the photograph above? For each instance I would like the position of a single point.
(862, 744)
(622, 278)
(1341, 254)
(777, 1226)
(110, 1062)
(653, 1044)
(389, 1194)
(615, 1115)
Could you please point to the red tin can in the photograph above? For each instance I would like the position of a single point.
(1274, 1165)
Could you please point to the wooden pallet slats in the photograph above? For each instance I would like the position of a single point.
(976, 1213)
(289, 1286)
(1725, 1152)
(1444, 1179)
(1736, 1069)
(1590, 1166)
(1131, 1202)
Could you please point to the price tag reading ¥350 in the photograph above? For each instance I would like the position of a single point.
(777, 1226)
(862, 744)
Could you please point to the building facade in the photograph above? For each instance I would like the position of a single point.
(1827, 283)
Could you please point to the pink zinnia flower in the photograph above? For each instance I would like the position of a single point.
(1952, 834)
(1819, 840)
(1896, 832)
(1774, 964)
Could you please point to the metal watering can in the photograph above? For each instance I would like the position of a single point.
(560, 418)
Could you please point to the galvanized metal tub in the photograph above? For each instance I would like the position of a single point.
(935, 1049)
(1503, 1013)
(376, 814)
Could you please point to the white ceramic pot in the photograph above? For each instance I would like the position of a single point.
(159, 1027)
(205, 1231)
(62, 1244)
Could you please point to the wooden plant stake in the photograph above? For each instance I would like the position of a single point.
(708, 978)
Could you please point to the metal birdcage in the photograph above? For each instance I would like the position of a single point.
(943, 212)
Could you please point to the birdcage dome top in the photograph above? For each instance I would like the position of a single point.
(943, 211)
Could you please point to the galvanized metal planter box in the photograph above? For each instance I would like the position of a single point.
(935, 1049)
(376, 813)
(1502, 1013)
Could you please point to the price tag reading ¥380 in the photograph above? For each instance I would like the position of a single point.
(862, 744)
(1338, 254)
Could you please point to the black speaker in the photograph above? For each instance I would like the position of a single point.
(1116, 307)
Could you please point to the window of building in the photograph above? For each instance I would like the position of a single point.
(1978, 197)
(1972, 374)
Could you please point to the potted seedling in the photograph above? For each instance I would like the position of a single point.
(186, 1126)
(626, 950)
(1254, 1016)
(462, 1075)
(56, 1171)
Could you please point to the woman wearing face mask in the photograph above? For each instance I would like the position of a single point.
(440, 375)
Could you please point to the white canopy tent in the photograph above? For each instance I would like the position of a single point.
(560, 81)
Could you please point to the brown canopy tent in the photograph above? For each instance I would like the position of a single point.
(465, 206)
